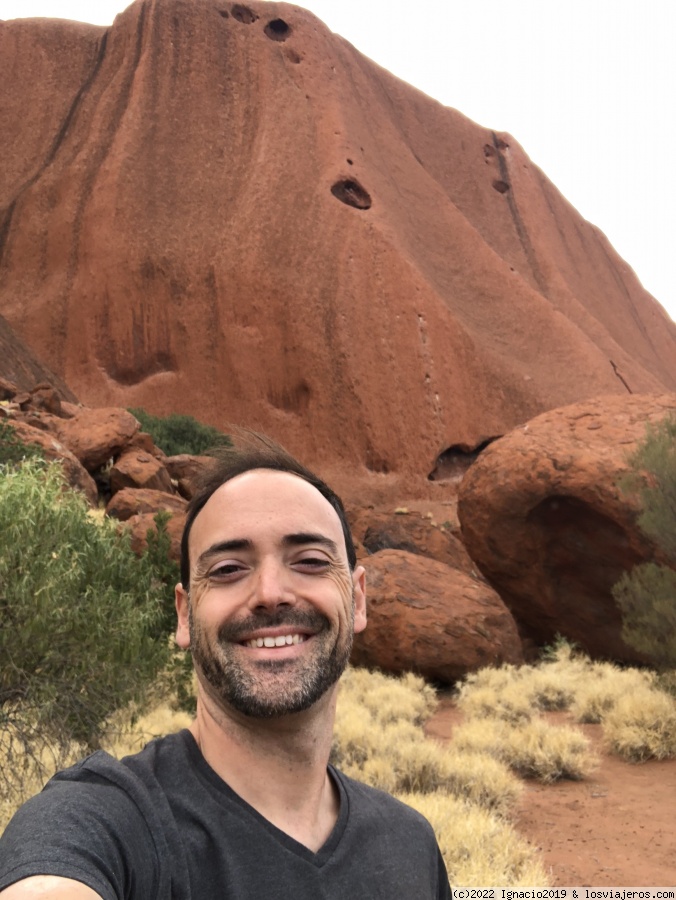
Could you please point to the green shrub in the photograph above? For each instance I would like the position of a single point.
(84, 621)
(177, 434)
(647, 594)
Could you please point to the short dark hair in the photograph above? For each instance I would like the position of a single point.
(250, 450)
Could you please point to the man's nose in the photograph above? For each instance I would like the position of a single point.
(273, 585)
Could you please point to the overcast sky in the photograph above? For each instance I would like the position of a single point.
(587, 87)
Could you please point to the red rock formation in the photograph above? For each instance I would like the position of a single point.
(544, 518)
(426, 617)
(410, 531)
(18, 364)
(96, 435)
(52, 449)
(206, 212)
(136, 501)
(134, 469)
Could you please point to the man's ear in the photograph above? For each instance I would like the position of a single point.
(182, 612)
(359, 587)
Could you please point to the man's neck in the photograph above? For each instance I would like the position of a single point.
(278, 766)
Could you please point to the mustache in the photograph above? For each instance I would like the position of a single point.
(310, 619)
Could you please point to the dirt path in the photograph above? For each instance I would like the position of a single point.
(616, 829)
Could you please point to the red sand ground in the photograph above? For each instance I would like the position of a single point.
(615, 829)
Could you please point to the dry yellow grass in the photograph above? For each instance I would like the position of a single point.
(642, 725)
(534, 749)
(593, 692)
(479, 849)
(378, 740)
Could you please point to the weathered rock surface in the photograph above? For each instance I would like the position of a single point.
(76, 475)
(195, 217)
(426, 617)
(187, 470)
(133, 501)
(413, 532)
(95, 436)
(545, 520)
(136, 469)
(18, 364)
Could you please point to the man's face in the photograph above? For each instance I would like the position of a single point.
(273, 605)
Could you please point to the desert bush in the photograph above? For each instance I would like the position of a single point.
(378, 739)
(508, 702)
(177, 434)
(84, 619)
(599, 694)
(533, 749)
(646, 594)
(642, 725)
(479, 849)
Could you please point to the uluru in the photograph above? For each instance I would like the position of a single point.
(226, 210)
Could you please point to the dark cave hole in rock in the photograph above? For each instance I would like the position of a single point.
(349, 162)
(489, 151)
(277, 30)
(224, 13)
(500, 186)
(243, 14)
(452, 463)
(352, 193)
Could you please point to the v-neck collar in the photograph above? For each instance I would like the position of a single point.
(205, 773)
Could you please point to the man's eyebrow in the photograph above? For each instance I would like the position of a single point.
(310, 537)
(224, 547)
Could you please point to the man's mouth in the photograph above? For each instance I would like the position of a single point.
(280, 640)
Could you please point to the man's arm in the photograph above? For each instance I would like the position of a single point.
(48, 887)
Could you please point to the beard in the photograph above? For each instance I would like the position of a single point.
(270, 688)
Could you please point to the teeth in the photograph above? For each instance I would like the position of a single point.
(281, 640)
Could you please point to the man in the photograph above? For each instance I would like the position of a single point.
(244, 803)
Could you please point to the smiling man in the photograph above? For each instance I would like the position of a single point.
(244, 804)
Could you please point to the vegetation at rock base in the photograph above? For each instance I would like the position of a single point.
(84, 621)
(502, 705)
(176, 434)
(647, 594)
(12, 450)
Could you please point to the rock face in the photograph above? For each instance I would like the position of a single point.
(426, 617)
(18, 364)
(226, 210)
(545, 520)
(412, 532)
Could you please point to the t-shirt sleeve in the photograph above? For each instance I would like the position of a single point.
(90, 831)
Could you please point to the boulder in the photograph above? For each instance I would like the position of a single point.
(96, 436)
(136, 469)
(186, 470)
(140, 524)
(413, 532)
(544, 517)
(76, 475)
(130, 502)
(427, 617)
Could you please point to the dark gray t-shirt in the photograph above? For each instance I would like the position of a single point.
(162, 825)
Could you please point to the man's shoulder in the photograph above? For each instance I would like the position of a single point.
(159, 754)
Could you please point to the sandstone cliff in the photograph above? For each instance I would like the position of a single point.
(226, 210)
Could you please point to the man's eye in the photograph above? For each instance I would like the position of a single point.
(226, 570)
(313, 563)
